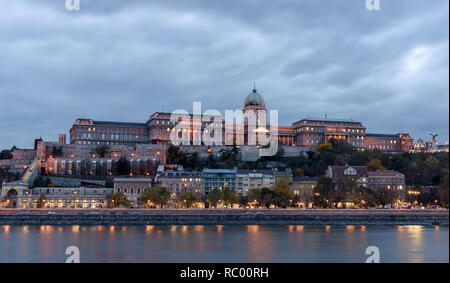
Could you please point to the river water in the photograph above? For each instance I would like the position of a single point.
(251, 243)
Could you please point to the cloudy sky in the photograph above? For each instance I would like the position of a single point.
(121, 60)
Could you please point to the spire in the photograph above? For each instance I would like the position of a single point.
(254, 87)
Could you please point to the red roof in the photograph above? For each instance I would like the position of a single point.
(361, 171)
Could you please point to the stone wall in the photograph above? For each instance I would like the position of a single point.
(86, 151)
(16, 164)
(27, 154)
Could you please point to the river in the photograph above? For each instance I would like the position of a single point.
(233, 243)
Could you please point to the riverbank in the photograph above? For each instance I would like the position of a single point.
(223, 217)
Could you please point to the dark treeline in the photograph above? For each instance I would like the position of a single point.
(428, 169)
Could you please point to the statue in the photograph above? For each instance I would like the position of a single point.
(433, 140)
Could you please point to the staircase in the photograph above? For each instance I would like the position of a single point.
(31, 172)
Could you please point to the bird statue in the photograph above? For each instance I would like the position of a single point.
(434, 136)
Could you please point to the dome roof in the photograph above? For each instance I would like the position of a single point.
(254, 99)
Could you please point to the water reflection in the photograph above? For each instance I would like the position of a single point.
(149, 228)
(6, 228)
(416, 228)
(47, 229)
(252, 228)
(296, 228)
(412, 238)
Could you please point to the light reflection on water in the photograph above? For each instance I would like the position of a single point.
(222, 243)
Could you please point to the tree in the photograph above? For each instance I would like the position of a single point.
(159, 196)
(443, 188)
(339, 196)
(211, 163)
(346, 183)
(41, 201)
(56, 151)
(264, 197)
(324, 147)
(282, 192)
(363, 197)
(229, 197)
(384, 197)
(41, 182)
(324, 186)
(117, 200)
(229, 163)
(298, 172)
(6, 154)
(109, 184)
(5, 173)
(173, 154)
(101, 150)
(374, 165)
(243, 201)
(189, 198)
(123, 166)
(214, 196)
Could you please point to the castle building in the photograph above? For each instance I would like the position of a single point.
(306, 133)
(314, 131)
(389, 143)
(88, 131)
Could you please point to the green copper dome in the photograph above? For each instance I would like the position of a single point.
(254, 99)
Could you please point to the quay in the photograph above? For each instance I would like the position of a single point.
(377, 217)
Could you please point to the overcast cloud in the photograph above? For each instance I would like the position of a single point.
(123, 60)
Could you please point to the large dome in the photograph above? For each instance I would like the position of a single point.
(254, 99)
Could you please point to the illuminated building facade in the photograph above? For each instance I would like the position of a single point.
(177, 181)
(311, 132)
(88, 131)
(132, 188)
(305, 133)
(219, 179)
(389, 143)
(304, 187)
(253, 179)
(387, 180)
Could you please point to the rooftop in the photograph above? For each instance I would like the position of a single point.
(132, 179)
(309, 118)
(382, 135)
(248, 171)
(206, 170)
(306, 179)
(384, 173)
(120, 124)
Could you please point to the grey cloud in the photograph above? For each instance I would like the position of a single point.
(123, 60)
